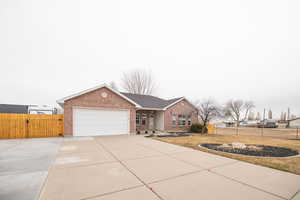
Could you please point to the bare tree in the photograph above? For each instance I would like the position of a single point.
(238, 110)
(113, 85)
(207, 110)
(139, 82)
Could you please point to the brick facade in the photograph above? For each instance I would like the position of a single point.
(181, 108)
(94, 99)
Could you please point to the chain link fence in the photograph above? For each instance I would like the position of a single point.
(281, 133)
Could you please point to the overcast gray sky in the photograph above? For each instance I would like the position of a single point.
(195, 48)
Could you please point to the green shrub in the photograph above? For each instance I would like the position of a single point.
(197, 128)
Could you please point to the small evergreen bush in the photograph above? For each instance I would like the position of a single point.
(197, 128)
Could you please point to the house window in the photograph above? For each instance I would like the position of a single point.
(181, 120)
(174, 121)
(138, 119)
(189, 122)
(144, 118)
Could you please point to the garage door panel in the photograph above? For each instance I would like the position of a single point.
(93, 122)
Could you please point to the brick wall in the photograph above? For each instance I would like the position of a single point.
(95, 100)
(181, 108)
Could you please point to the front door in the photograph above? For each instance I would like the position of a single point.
(151, 122)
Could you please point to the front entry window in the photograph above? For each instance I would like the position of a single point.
(189, 122)
(181, 120)
(138, 119)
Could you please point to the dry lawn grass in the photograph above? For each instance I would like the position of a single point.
(291, 164)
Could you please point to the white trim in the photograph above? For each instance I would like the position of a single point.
(61, 101)
(182, 98)
(168, 106)
(99, 108)
(144, 108)
(176, 116)
(140, 119)
(162, 113)
(163, 121)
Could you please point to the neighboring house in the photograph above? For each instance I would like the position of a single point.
(27, 109)
(294, 123)
(104, 111)
(13, 109)
(43, 109)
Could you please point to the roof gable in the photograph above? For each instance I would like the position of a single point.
(179, 100)
(139, 100)
(61, 101)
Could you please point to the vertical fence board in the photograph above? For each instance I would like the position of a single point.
(16, 126)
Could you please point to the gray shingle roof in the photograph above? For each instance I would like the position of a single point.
(148, 101)
(13, 108)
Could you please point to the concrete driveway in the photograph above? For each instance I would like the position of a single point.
(24, 166)
(135, 168)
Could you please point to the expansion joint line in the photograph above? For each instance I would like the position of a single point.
(292, 198)
(211, 171)
(144, 183)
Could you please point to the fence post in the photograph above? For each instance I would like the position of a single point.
(237, 130)
(297, 133)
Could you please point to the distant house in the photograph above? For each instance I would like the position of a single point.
(27, 109)
(294, 123)
(13, 109)
(44, 109)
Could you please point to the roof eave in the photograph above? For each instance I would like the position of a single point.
(145, 108)
(62, 101)
(170, 105)
(182, 98)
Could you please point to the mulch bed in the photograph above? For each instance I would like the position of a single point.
(262, 150)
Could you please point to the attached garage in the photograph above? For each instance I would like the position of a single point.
(98, 111)
(103, 110)
(97, 122)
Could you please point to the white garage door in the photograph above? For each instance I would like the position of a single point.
(93, 122)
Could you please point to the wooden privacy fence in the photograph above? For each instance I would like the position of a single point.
(211, 129)
(30, 126)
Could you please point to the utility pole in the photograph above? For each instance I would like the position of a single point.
(270, 114)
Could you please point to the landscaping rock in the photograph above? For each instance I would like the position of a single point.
(253, 147)
(225, 146)
(238, 145)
